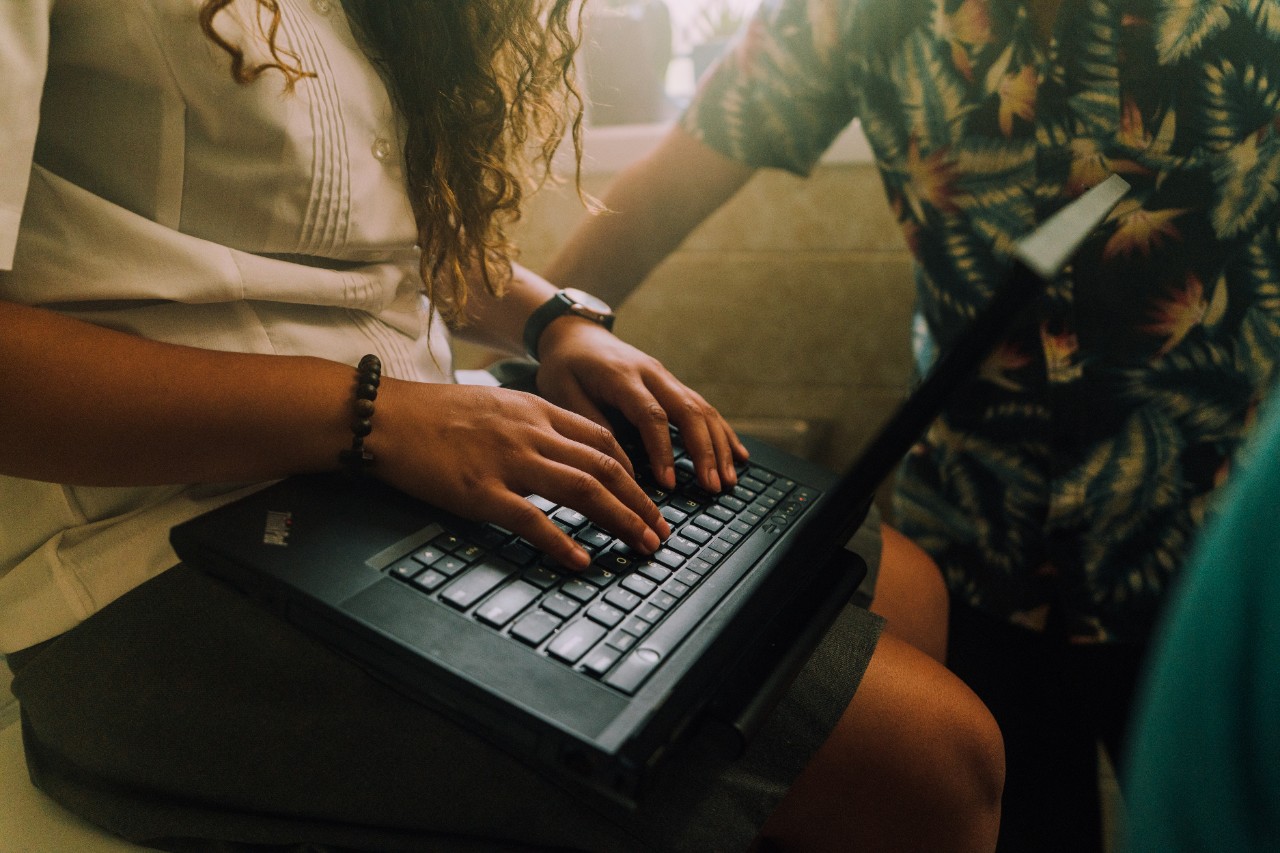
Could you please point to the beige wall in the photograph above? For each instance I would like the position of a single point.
(791, 302)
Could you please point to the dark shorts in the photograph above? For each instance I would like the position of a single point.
(184, 713)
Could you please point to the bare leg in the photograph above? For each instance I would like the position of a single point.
(916, 763)
(911, 595)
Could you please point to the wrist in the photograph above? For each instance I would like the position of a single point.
(565, 304)
(565, 329)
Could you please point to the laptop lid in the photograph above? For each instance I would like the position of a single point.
(1038, 258)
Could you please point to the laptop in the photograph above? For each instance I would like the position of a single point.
(594, 677)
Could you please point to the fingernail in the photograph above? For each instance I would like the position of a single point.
(713, 480)
(651, 541)
(667, 477)
(731, 477)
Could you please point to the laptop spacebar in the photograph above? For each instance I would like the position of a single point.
(632, 670)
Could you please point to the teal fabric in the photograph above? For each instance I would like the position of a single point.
(1204, 773)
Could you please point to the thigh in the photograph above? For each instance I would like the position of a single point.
(185, 711)
(911, 595)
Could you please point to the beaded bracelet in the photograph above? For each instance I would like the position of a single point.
(368, 376)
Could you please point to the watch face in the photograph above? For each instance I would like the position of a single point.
(592, 303)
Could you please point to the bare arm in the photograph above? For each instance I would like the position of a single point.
(85, 405)
(585, 369)
(91, 406)
(651, 207)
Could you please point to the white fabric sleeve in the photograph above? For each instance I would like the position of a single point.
(24, 55)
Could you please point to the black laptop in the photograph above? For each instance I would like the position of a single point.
(592, 677)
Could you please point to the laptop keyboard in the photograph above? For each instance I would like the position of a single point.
(618, 620)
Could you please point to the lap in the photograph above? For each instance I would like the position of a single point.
(185, 711)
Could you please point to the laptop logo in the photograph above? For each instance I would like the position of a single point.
(277, 529)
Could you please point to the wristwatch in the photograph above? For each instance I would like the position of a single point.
(567, 301)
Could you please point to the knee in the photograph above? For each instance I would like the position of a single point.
(956, 748)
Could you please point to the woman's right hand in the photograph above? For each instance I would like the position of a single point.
(479, 452)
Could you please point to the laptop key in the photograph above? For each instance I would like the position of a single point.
(635, 626)
(668, 558)
(634, 669)
(606, 614)
(650, 613)
(687, 577)
(708, 523)
(541, 577)
(602, 657)
(449, 565)
(574, 640)
(640, 586)
(469, 588)
(621, 640)
(571, 517)
(541, 503)
(533, 628)
(653, 572)
(406, 568)
(447, 542)
(561, 605)
(506, 603)
(518, 553)
(469, 552)
(673, 515)
(428, 555)
(579, 590)
(614, 561)
(593, 537)
(698, 566)
(622, 599)
(682, 546)
(598, 574)
(696, 534)
(430, 580)
(719, 512)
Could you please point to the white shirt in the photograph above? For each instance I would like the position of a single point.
(143, 189)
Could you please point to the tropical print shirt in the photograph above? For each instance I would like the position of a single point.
(1062, 485)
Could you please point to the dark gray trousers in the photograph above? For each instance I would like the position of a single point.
(184, 717)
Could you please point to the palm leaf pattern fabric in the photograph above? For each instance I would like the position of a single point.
(1061, 487)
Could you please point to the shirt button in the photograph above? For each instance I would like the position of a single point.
(324, 7)
(381, 148)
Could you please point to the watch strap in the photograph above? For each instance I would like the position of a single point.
(555, 307)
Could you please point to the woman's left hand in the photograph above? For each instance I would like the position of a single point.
(585, 368)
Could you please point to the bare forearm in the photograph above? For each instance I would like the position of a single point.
(650, 209)
(86, 405)
(499, 322)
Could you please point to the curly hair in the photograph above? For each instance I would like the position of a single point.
(486, 91)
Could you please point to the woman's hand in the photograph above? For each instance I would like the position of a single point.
(479, 452)
(583, 368)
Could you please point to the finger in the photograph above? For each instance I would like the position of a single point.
(647, 415)
(597, 488)
(703, 440)
(574, 424)
(527, 521)
(729, 449)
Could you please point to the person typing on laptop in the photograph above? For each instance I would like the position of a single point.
(210, 213)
